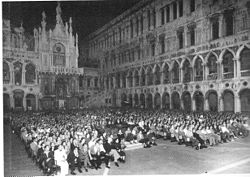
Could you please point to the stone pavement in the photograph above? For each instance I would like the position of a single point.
(16, 161)
(166, 158)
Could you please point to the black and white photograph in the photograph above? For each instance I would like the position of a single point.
(125, 87)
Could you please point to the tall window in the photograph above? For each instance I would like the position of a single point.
(162, 44)
(88, 82)
(131, 29)
(174, 10)
(180, 38)
(30, 74)
(149, 20)
(120, 35)
(152, 49)
(59, 55)
(191, 32)
(215, 28)
(162, 16)
(137, 26)
(229, 23)
(192, 5)
(180, 8)
(167, 13)
(154, 18)
(141, 24)
(18, 73)
(6, 73)
(228, 66)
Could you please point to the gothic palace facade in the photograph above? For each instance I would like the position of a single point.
(40, 72)
(176, 54)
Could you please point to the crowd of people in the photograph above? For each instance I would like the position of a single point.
(66, 141)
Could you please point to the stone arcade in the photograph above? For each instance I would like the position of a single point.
(177, 54)
(41, 71)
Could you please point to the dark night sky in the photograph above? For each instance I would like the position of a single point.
(87, 16)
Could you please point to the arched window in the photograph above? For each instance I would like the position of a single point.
(157, 75)
(30, 74)
(143, 77)
(187, 71)
(18, 73)
(136, 77)
(6, 73)
(166, 77)
(175, 73)
(198, 70)
(212, 67)
(149, 76)
(228, 66)
(245, 62)
(59, 55)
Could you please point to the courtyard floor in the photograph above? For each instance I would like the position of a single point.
(167, 158)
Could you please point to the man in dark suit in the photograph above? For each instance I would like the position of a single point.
(74, 160)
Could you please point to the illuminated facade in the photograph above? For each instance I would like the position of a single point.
(40, 72)
(176, 54)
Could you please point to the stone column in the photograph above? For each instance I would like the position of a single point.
(170, 101)
(182, 103)
(24, 102)
(206, 106)
(23, 76)
(180, 75)
(151, 19)
(204, 72)
(237, 68)
(105, 83)
(221, 29)
(219, 71)
(12, 104)
(153, 102)
(193, 104)
(186, 34)
(37, 98)
(237, 103)
(221, 104)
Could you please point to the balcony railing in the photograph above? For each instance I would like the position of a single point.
(245, 73)
(213, 76)
(175, 81)
(186, 79)
(228, 75)
(198, 78)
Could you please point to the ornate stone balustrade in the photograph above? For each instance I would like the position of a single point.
(20, 54)
(61, 70)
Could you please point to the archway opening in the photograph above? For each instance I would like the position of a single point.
(149, 101)
(228, 101)
(124, 99)
(176, 101)
(165, 101)
(187, 103)
(130, 100)
(245, 100)
(213, 101)
(18, 99)
(136, 100)
(157, 101)
(6, 102)
(199, 101)
(142, 100)
(31, 102)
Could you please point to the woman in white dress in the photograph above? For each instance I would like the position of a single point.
(61, 160)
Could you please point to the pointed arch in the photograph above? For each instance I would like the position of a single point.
(186, 71)
(212, 66)
(175, 72)
(227, 65)
(30, 73)
(157, 75)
